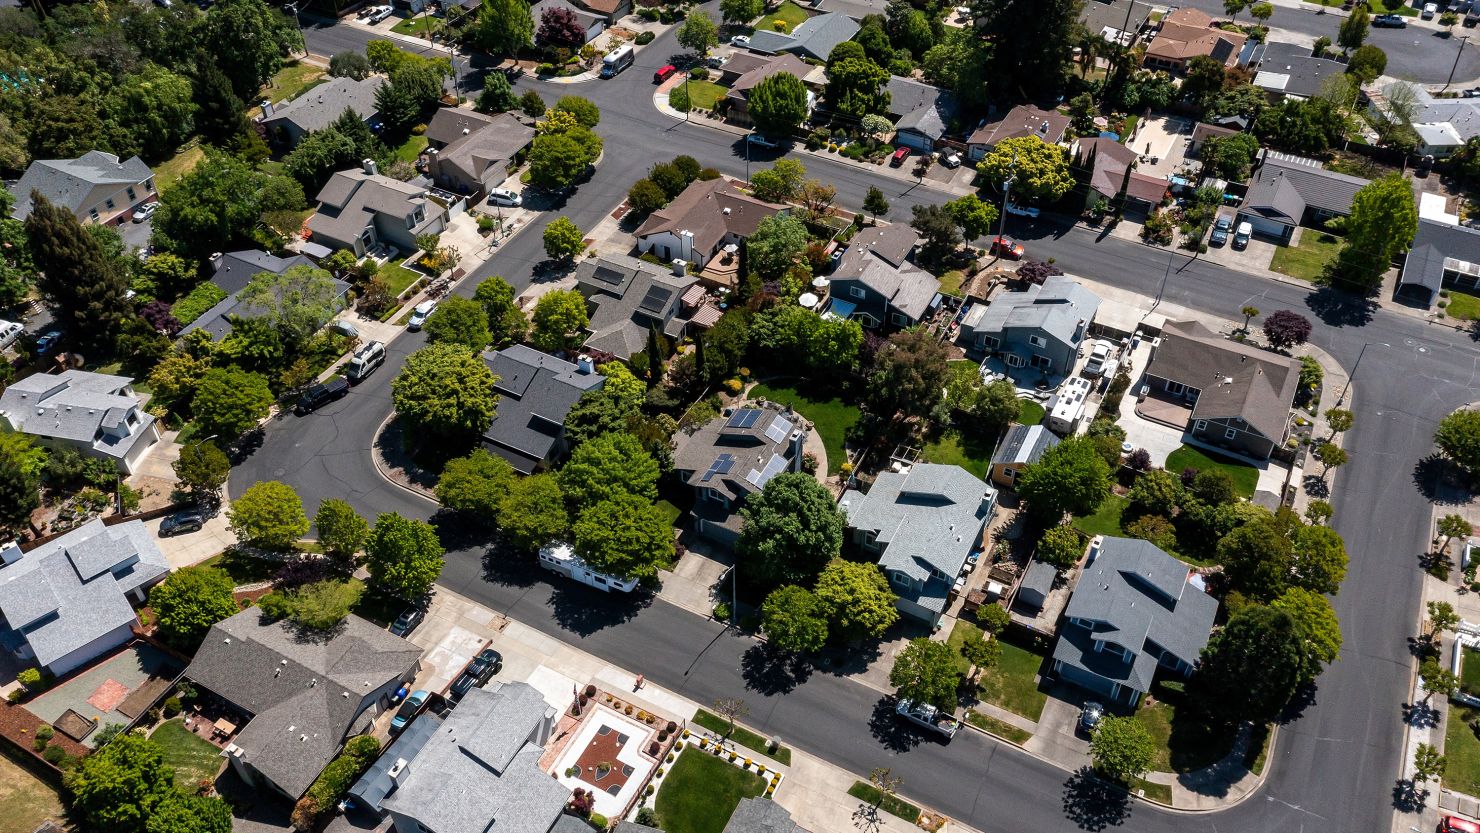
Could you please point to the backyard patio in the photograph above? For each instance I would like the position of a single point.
(114, 690)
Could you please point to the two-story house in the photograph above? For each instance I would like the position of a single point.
(922, 523)
(876, 284)
(535, 393)
(708, 215)
(733, 455)
(629, 298)
(97, 414)
(361, 210)
(95, 187)
(1040, 327)
(471, 152)
(1240, 395)
(1134, 611)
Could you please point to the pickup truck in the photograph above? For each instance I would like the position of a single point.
(928, 716)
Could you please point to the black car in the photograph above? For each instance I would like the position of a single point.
(408, 620)
(180, 523)
(1389, 21)
(320, 395)
(479, 671)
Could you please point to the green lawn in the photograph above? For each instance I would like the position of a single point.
(893, 804)
(952, 449)
(194, 759)
(1461, 751)
(790, 12)
(950, 282)
(992, 725)
(290, 82)
(1106, 519)
(1012, 683)
(1031, 413)
(411, 149)
(701, 791)
(168, 172)
(670, 512)
(1155, 792)
(832, 417)
(397, 277)
(743, 736)
(1181, 745)
(703, 94)
(1308, 260)
(1461, 304)
(418, 26)
(25, 800)
(1469, 672)
(1245, 477)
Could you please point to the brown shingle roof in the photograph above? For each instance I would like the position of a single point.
(709, 210)
(1188, 33)
(1233, 379)
(1022, 120)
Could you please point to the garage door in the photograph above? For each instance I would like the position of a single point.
(1265, 226)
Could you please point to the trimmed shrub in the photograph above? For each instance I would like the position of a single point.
(171, 706)
(54, 755)
(30, 678)
(195, 304)
(45, 732)
(645, 38)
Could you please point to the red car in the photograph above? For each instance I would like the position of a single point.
(663, 72)
(899, 156)
(1002, 247)
(1455, 824)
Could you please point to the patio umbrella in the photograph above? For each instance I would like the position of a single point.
(820, 283)
(807, 300)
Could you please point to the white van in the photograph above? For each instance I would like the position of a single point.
(616, 61)
(364, 362)
(9, 332)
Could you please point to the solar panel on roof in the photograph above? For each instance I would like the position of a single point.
(774, 466)
(606, 274)
(779, 428)
(744, 418)
(655, 299)
(721, 465)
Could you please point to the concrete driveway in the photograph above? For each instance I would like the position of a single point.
(135, 235)
(194, 547)
(1056, 738)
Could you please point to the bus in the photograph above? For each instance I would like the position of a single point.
(616, 61)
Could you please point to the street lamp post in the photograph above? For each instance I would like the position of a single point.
(1340, 400)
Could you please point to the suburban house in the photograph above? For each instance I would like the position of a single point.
(610, 10)
(97, 414)
(1189, 33)
(288, 122)
(1288, 191)
(361, 210)
(1040, 327)
(471, 152)
(921, 522)
(1443, 124)
(1202, 131)
(1118, 21)
(1285, 70)
(70, 600)
(1022, 447)
(748, 69)
(733, 455)
(1111, 167)
(1240, 395)
(921, 113)
(535, 392)
(875, 283)
(95, 187)
(231, 272)
(630, 298)
(478, 769)
(813, 38)
(1443, 254)
(1134, 610)
(305, 694)
(708, 214)
(1022, 120)
(591, 23)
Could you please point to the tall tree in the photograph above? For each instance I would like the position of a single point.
(118, 787)
(230, 401)
(939, 230)
(87, 288)
(792, 529)
(973, 216)
(1320, 631)
(926, 672)
(1458, 437)
(202, 468)
(342, 531)
(504, 27)
(698, 32)
(741, 11)
(794, 620)
(447, 391)
(532, 512)
(910, 376)
(1029, 54)
(1382, 224)
(297, 302)
(624, 536)
(609, 465)
(875, 203)
(214, 208)
(404, 556)
(1121, 748)
(1071, 477)
(1354, 28)
(249, 40)
(857, 599)
(461, 321)
(268, 515)
(190, 601)
(475, 484)
(778, 104)
(560, 29)
(559, 318)
(855, 87)
(1039, 171)
(21, 465)
(775, 245)
(1252, 667)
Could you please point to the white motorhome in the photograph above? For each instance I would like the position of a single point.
(616, 61)
(559, 557)
(1066, 409)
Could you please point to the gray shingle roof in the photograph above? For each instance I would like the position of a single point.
(1463, 114)
(1024, 444)
(536, 392)
(738, 453)
(630, 296)
(1055, 308)
(1435, 243)
(927, 518)
(1292, 70)
(351, 199)
(1039, 577)
(75, 406)
(1233, 379)
(449, 124)
(303, 689)
(377, 783)
(585, 18)
(1284, 186)
(920, 107)
(76, 184)
(320, 106)
(760, 815)
(480, 772)
(1097, 16)
(891, 241)
(1135, 594)
(1022, 120)
(814, 37)
(482, 154)
(907, 288)
(80, 577)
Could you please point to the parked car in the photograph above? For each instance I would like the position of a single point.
(899, 156)
(1099, 356)
(1221, 227)
(1022, 210)
(479, 671)
(1090, 717)
(145, 211)
(420, 314)
(1003, 247)
(504, 197)
(408, 620)
(663, 73)
(321, 394)
(951, 160)
(1242, 236)
(928, 716)
(762, 140)
(1425, 165)
(378, 14)
(190, 520)
(1429, 10)
(48, 341)
(1389, 21)
(715, 61)
(409, 709)
(741, 41)
(9, 332)
(1455, 824)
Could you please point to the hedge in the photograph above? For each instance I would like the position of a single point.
(336, 779)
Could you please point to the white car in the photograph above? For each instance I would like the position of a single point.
(420, 314)
(951, 160)
(377, 14)
(762, 140)
(145, 211)
(1429, 10)
(1022, 210)
(9, 332)
(504, 197)
(741, 41)
(1099, 356)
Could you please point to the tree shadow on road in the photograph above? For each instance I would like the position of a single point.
(511, 569)
(1093, 804)
(889, 730)
(1336, 308)
(584, 611)
(768, 671)
(1440, 481)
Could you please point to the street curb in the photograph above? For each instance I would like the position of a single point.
(375, 461)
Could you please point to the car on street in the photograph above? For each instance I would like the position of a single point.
(48, 341)
(504, 197)
(479, 671)
(321, 394)
(409, 709)
(899, 156)
(408, 620)
(1099, 356)
(762, 140)
(1022, 210)
(928, 716)
(1221, 227)
(1242, 235)
(378, 14)
(1005, 248)
(741, 41)
(1389, 21)
(420, 314)
(663, 73)
(1429, 10)
(1090, 717)
(145, 211)
(190, 520)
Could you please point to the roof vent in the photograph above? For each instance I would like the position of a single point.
(727, 211)
(226, 641)
(303, 738)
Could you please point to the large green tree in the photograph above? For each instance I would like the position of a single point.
(609, 465)
(1026, 43)
(189, 602)
(150, 113)
(196, 813)
(775, 245)
(249, 40)
(403, 555)
(857, 599)
(698, 32)
(229, 401)
(446, 390)
(778, 104)
(974, 216)
(87, 288)
(459, 320)
(855, 86)
(1252, 667)
(559, 318)
(1122, 748)
(118, 787)
(1383, 221)
(624, 536)
(342, 532)
(504, 27)
(475, 483)
(21, 464)
(202, 468)
(1071, 478)
(1039, 171)
(297, 302)
(910, 374)
(506, 322)
(794, 620)
(268, 515)
(1458, 437)
(926, 672)
(1320, 632)
(214, 208)
(532, 512)
(792, 529)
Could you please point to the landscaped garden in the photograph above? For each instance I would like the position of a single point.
(743, 736)
(952, 448)
(1013, 682)
(701, 791)
(891, 804)
(1461, 304)
(833, 418)
(789, 12)
(1307, 260)
(1461, 751)
(193, 758)
(696, 95)
(1245, 477)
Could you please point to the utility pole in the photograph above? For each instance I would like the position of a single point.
(1340, 400)
(1457, 55)
(1006, 191)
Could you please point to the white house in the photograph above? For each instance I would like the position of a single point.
(94, 413)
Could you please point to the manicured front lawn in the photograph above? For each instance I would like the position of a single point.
(25, 800)
(1012, 683)
(1461, 751)
(1307, 261)
(1245, 477)
(790, 12)
(1106, 519)
(893, 805)
(701, 791)
(950, 282)
(417, 26)
(743, 736)
(1462, 305)
(703, 94)
(411, 149)
(832, 417)
(670, 512)
(1031, 413)
(168, 172)
(951, 448)
(396, 277)
(193, 758)
(1469, 672)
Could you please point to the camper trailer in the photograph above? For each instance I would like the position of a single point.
(558, 557)
(1066, 409)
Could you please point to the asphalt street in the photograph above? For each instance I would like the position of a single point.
(1336, 763)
